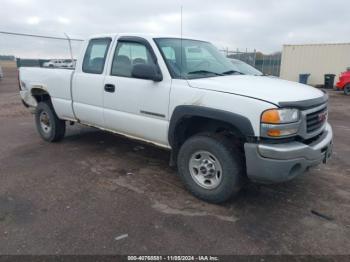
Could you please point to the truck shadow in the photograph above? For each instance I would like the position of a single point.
(124, 164)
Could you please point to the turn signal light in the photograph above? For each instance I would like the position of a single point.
(274, 133)
(271, 116)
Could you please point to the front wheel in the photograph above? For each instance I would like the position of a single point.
(347, 90)
(211, 168)
(49, 126)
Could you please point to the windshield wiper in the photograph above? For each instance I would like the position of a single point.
(204, 72)
(231, 72)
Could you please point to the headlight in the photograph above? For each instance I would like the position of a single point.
(280, 116)
(279, 123)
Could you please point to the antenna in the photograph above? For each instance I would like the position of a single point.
(181, 21)
(181, 43)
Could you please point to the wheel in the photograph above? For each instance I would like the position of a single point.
(347, 89)
(49, 126)
(211, 168)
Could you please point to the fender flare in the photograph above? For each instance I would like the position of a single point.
(30, 95)
(241, 123)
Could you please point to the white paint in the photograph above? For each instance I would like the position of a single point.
(120, 112)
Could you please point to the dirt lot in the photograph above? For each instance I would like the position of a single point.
(97, 193)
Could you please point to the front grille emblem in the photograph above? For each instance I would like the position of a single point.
(322, 117)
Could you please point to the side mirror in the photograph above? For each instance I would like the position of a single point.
(146, 71)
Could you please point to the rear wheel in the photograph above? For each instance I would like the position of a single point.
(211, 168)
(49, 126)
(347, 89)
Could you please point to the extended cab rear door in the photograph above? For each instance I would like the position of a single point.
(88, 82)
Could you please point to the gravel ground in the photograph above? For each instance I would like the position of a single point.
(98, 193)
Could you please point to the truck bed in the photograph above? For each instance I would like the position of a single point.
(57, 82)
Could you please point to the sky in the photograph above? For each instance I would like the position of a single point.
(264, 25)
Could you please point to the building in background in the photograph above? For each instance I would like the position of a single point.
(314, 59)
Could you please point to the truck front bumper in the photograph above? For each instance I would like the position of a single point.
(274, 163)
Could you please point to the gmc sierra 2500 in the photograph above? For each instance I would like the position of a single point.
(222, 127)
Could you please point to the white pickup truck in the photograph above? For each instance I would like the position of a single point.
(223, 127)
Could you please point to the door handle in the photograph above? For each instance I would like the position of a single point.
(109, 88)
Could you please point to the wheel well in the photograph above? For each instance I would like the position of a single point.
(190, 126)
(40, 95)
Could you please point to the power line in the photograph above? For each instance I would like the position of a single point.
(41, 36)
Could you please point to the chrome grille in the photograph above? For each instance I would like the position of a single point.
(316, 120)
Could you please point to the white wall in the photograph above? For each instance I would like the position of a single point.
(315, 59)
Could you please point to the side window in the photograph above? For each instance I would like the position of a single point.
(128, 54)
(95, 55)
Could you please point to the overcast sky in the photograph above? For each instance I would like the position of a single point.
(261, 24)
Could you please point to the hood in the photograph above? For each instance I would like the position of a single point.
(274, 90)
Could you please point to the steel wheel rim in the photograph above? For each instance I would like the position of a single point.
(205, 169)
(45, 123)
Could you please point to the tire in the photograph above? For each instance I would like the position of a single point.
(49, 126)
(347, 89)
(224, 156)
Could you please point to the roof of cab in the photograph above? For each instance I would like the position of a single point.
(143, 35)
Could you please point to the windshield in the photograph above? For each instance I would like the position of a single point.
(245, 68)
(190, 59)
